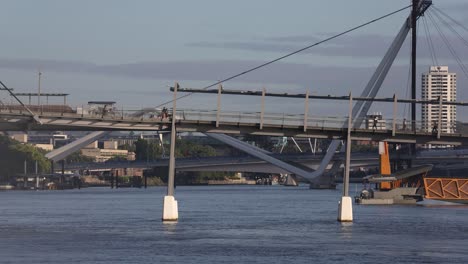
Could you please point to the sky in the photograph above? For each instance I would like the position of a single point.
(132, 51)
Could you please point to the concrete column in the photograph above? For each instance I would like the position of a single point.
(345, 207)
(170, 206)
(218, 109)
(116, 179)
(439, 119)
(306, 110)
(25, 178)
(394, 114)
(111, 179)
(263, 109)
(52, 170)
(62, 176)
(37, 177)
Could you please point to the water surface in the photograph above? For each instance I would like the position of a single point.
(223, 224)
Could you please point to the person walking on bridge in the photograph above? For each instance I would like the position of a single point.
(435, 128)
(374, 126)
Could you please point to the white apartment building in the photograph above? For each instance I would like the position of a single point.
(435, 83)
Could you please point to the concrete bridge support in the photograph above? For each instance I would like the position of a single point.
(290, 181)
(324, 181)
(345, 208)
(170, 208)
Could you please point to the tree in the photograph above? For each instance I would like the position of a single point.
(14, 155)
(118, 158)
(186, 148)
(147, 150)
(77, 157)
(129, 147)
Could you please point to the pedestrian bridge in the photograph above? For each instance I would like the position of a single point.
(205, 121)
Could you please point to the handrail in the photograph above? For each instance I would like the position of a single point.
(248, 117)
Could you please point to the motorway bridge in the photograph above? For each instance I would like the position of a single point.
(443, 158)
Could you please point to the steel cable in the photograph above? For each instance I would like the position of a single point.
(290, 54)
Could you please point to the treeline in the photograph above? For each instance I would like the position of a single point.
(152, 149)
(14, 155)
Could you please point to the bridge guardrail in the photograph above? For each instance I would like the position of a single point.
(269, 119)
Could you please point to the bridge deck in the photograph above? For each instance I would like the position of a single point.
(227, 123)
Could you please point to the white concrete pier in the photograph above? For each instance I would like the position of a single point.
(345, 209)
(170, 209)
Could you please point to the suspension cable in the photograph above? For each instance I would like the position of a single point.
(430, 45)
(290, 54)
(450, 48)
(406, 109)
(451, 28)
(450, 18)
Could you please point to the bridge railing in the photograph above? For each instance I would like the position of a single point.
(284, 119)
(236, 117)
(276, 119)
(337, 122)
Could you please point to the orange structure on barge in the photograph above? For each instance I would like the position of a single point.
(446, 189)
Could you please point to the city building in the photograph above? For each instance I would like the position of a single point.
(109, 150)
(102, 155)
(20, 137)
(436, 83)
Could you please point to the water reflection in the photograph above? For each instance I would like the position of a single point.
(346, 230)
(169, 227)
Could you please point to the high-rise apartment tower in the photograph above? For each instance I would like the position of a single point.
(435, 83)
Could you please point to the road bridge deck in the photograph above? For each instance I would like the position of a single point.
(443, 158)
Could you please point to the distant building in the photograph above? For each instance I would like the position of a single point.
(102, 155)
(92, 145)
(108, 151)
(110, 144)
(436, 83)
(54, 138)
(21, 137)
(46, 147)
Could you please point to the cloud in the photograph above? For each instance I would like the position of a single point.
(129, 82)
(40, 64)
(301, 39)
(329, 79)
(280, 73)
(364, 46)
(264, 47)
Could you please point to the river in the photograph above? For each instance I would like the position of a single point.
(223, 224)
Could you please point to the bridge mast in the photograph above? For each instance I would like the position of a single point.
(418, 9)
(414, 18)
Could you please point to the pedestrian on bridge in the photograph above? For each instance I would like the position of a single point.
(374, 126)
(164, 113)
(435, 127)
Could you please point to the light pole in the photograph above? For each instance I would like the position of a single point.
(39, 90)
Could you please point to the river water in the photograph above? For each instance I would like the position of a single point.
(223, 224)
